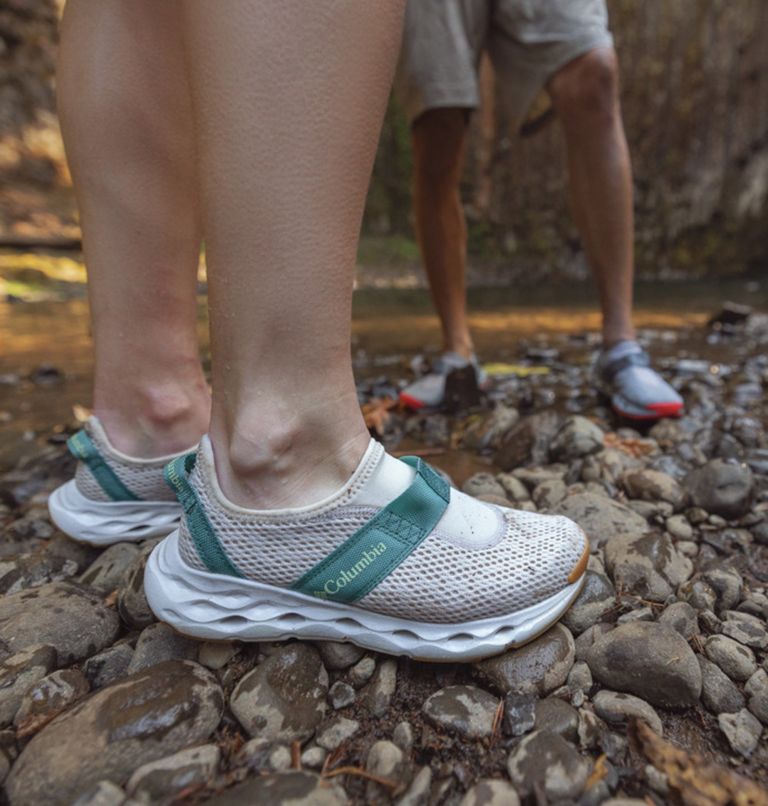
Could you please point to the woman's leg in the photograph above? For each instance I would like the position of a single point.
(289, 99)
(127, 125)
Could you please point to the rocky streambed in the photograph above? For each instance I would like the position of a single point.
(654, 688)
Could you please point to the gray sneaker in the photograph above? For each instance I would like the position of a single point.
(637, 391)
(429, 390)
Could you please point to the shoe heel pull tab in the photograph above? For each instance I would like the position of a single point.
(176, 476)
(81, 446)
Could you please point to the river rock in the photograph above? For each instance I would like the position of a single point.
(338, 655)
(536, 668)
(491, 792)
(557, 716)
(718, 692)
(722, 488)
(735, 659)
(108, 666)
(336, 732)
(600, 517)
(514, 488)
(466, 710)
(131, 600)
(682, 618)
(385, 760)
(362, 671)
(141, 719)
(679, 527)
(618, 708)
(649, 660)
(340, 695)
(577, 437)
(158, 643)
(547, 761)
(161, 779)
(746, 629)
(74, 621)
(284, 698)
(382, 687)
(519, 713)
(107, 572)
(103, 793)
(292, 788)
(549, 494)
(757, 690)
(742, 730)
(486, 432)
(484, 484)
(727, 586)
(653, 485)
(528, 441)
(48, 698)
(597, 597)
(19, 673)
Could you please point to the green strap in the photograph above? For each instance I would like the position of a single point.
(81, 447)
(359, 564)
(209, 549)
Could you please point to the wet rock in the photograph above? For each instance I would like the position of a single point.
(579, 683)
(385, 760)
(362, 671)
(589, 637)
(402, 736)
(577, 437)
(618, 708)
(161, 779)
(48, 698)
(107, 572)
(417, 793)
(679, 528)
(597, 597)
(491, 792)
(746, 629)
(484, 484)
(528, 442)
(600, 517)
(519, 714)
(757, 690)
(557, 716)
(699, 594)
(682, 618)
(649, 660)
(72, 620)
(536, 668)
(736, 660)
(131, 601)
(103, 793)
(652, 485)
(158, 643)
(722, 488)
(141, 719)
(382, 687)
(19, 673)
(546, 761)
(486, 432)
(284, 697)
(718, 692)
(466, 710)
(337, 655)
(340, 695)
(108, 666)
(742, 730)
(727, 585)
(646, 565)
(292, 788)
(216, 654)
(336, 732)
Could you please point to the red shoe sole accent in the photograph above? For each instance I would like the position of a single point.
(411, 402)
(659, 410)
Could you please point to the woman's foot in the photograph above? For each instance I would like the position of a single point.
(395, 561)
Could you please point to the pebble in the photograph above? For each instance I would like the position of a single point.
(294, 788)
(486, 432)
(73, 620)
(484, 484)
(545, 760)
(337, 655)
(418, 792)
(618, 708)
(382, 688)
(48, 698)
(107, 572)
(722, 488)
(654, 486)
(592, 634)
(649, 660)
(727, 585)
(639, 614)
(216, 654)
(519, 714)
(579, 683)
(528, 441)
(465, 710)
(19, 673)
(736, 660)
(143, 718)
(167, 776)
(362, 671)
(314, 757)
(131, 601)
(600, 517)
(284, 697)
(682, 618)
(742, 730)
(757, 689)
(577, 437)
(385, 760)
(719, 693)
(402, 736)
(557, 716)
(336, 732)
(491, 792)
(279, 758)
(158, 643)
(103, 793)
(549, 494)
(536, 668)
(108, 666)
(514, 489)
(746, 629)
(597, 597)
(340, 695)
(679, 528)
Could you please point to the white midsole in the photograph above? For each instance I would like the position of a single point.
(102, 523)
(215, 606)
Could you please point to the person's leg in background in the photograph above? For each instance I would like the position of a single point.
(127, 125)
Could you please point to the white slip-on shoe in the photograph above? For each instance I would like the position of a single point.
(113, 497)
(395, 561)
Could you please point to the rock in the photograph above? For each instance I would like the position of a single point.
(736, 660)
(757, 689)
(514, 489)
(216, 654)
(639, 614)
(679, 528)
(385, 760)
(19, 673)
(280, 758)
(649, 660)
(313, 757)
(577, 437)
(536, 668)
(617, 708)
(546, 761)
(646, 565)
(402, 736)
(292, 788)
(486, 432)
(336, 732)
(382, 688)
(519, 714)
(600, 517)
(131, 601)
(283, 698)
(682, 618)
(652, 485)
(48, 698)
(340, 695)
(579, 683)
(108, 666)
(557, 716)
(718, 692)
(173, 774)
(466, 710)
(590, 636)
(72, 620)
(742, 731)
(722, 488)
(528, 442)
(158, 643)
(362, 671)
(141, 719)
(337, 655)
(549, 494)
(418, 792)
(484, 484)
(107, 572)
(727, 586)
(699, 594)
(491, 792)
(597, 598)
(746, 629)
(103, 793)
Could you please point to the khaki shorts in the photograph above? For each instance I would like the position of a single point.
(528, 41)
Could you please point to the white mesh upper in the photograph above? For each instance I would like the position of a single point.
(143, 477)
(449, 578)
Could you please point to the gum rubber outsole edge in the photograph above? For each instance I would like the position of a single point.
(218, 607)
(102, 523)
